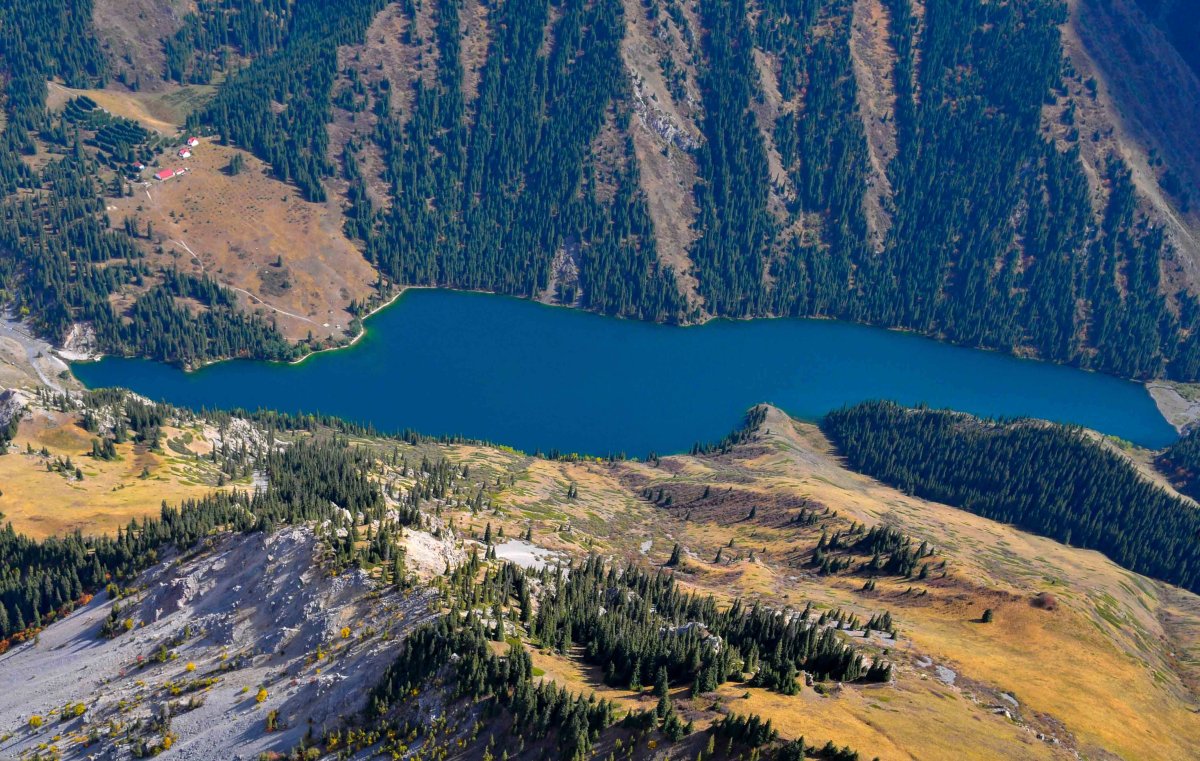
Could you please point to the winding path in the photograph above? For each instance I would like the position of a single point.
(11, 328)
(254, 299)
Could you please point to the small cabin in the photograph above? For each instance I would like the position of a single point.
(184, 153)
(193, 141)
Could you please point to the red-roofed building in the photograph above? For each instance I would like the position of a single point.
(193, 141)
(184, 153)
(165, 174)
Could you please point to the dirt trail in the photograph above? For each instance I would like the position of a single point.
(37, 351)
(255, 300)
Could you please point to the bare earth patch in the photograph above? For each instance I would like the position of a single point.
(1179, 403)
(286, 258)
(384, 55)
(766, 112)
(131, 32)
(668, 171)
(476, 37)
(874, 68)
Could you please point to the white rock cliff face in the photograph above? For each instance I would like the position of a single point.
(80, 343)
(658, 121)
(12, 404)
(252, 612)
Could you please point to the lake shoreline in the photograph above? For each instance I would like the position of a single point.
(362, 331)
(705, 320)
(1170, 409)
(503, 368)
(1179, 403)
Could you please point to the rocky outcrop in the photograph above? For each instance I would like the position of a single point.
(249, 624)
(660, 122)
(80, 343)
(12, 405)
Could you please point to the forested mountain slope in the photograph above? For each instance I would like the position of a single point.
(63, 262)
(977, 171)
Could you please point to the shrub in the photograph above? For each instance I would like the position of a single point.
(261, 696)
(35, 721)
(1045, 601)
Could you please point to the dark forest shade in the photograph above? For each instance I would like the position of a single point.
(1181, 464)
(1052, 480)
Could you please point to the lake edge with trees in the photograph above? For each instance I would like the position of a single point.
(548, 379)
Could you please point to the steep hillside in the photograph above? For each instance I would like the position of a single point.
(1180, 22)
(1000, 643)
(1014, 175)
(771, 160)
(1136, 96)
(248, 613)
(125, 29)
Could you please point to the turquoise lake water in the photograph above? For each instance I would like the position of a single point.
(534, 377)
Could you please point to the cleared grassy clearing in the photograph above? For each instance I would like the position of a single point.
(41, 503)
(285, 258)
(164, 111)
